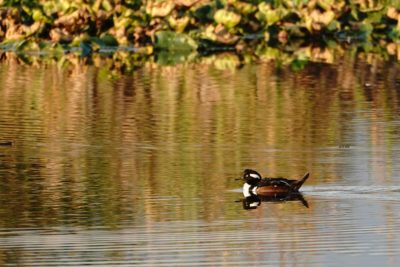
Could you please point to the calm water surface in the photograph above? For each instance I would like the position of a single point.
(140, 170)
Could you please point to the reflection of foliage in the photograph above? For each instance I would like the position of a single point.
(124, 60)
(192, 24)
(109, 148)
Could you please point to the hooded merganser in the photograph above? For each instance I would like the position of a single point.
(256, 185)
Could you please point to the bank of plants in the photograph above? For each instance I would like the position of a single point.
(184, 27)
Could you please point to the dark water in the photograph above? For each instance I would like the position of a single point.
(140, 170)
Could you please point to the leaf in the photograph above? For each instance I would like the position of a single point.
(204, 13)
(109, 40)
(324, 18)
(159, 8)
(326, 4)
(244, 8)
(270, 15)
(186, 3)
(172, 41)
(333, 26)
(392, 13)
(375, 17)
(227, 18)
(37, 15)
(178, 24)
(106, 5)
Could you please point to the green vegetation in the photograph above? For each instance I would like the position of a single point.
(181, 28)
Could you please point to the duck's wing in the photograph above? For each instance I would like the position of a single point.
(281, 182)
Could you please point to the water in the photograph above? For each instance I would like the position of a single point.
(140, 170)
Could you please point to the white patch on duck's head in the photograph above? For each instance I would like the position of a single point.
(248, 191)
(251, 174)
(254, 175)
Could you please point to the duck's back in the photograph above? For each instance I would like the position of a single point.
(280, 185)
(276, 182)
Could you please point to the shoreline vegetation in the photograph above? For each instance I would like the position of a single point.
(131, 32)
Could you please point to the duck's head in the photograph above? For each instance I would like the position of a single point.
(251, 177)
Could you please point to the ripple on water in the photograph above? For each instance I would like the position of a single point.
(134, 170)
(299, 240)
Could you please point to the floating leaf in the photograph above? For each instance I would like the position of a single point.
(227, 18)
(58, 35)
(159, 8)
(374, 17)
(324, 18)
(393, 13)
(370, 6)
(220, 35)
(178, 24)
(244, 8)
(109, 40)
(204, 13)
(186, 3)
(38, 15)
(354, 12)
(391, 48)
(333, 26)
(122, 22)
(106, 5)
(172, 41)
(326, 4)
(270, 15)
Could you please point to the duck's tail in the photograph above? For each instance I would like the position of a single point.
(296, 185)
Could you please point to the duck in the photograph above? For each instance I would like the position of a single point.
(255, 184)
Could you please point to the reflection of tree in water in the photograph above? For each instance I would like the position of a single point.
(108, 150)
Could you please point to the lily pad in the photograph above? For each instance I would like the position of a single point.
(178, 24)
(244, 8)
(323, 18)
(159, 8)
(204, 13)
(109, 40)
(172, 41)
(270, 15)
(227, 18)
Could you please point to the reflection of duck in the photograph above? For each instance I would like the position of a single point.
(269, 187)
(253, 201)
(6, 143)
